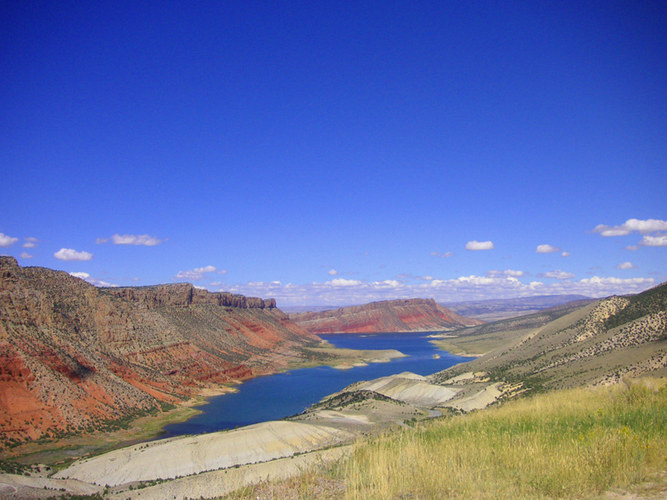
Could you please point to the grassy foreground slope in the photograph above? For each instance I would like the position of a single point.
(573, 443)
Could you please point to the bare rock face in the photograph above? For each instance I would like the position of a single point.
(185, 294)
(405, 315)
(76, 357)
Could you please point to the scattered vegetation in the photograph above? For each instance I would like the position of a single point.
(648, 302)
(14, 468)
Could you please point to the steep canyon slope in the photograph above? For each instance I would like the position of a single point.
(405, 315)
(75, 357)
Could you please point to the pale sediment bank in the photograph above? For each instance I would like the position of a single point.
(215, 464)
(188, 455)
(225, 481)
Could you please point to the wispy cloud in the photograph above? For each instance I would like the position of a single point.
(507, 272)
(131, 239)
(559, 275)
(30, 242)
(93, 281)
(6, 240)
(71, 254)
(344, 282)
(445, 255)
(332, 272)
(545, 248)
(479, 245)
(26, 255)
(197, 273)
(626, 265)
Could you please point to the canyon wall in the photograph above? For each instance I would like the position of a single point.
(404, 315)
(75, 357)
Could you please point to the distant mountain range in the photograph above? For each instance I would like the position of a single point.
(404, 315)
(497, 309)
(75, 357)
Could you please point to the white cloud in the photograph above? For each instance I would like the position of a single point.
(93, 281)
(547, 249)
(26, 255)
(559, 275)
(195, 274)
(445, 255)
(479, 245)
(387, 284)
(654, 241)
(611, 282)
(6, 240)
(131, 239)
(565, 254)
(70, 254)
(625, 265)
(344, 282)
(632, 225)
(349, 292)
(333, 272)
(507, 272)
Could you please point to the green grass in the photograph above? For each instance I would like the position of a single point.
(565, 444)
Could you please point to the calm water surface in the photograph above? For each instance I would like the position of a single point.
(273, 397)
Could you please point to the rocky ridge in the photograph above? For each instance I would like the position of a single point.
(404, 315)
(74, 357)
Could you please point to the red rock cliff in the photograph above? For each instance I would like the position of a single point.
(405, 315)
(73, 356)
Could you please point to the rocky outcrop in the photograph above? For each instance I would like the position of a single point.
(75, 357)
(185, 294)
(405, 315)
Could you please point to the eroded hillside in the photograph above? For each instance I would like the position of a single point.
(74, 357)
(596, 344)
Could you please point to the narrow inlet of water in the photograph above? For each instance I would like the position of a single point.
(281, 395)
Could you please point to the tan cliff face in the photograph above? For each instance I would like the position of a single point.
(73, 356)
(184, 294)
(404, 315)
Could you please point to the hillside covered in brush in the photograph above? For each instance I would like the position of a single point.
(570, 346)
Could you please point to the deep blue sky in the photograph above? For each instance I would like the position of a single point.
(341, 148)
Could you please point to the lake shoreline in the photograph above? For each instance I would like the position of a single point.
(147, 428)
